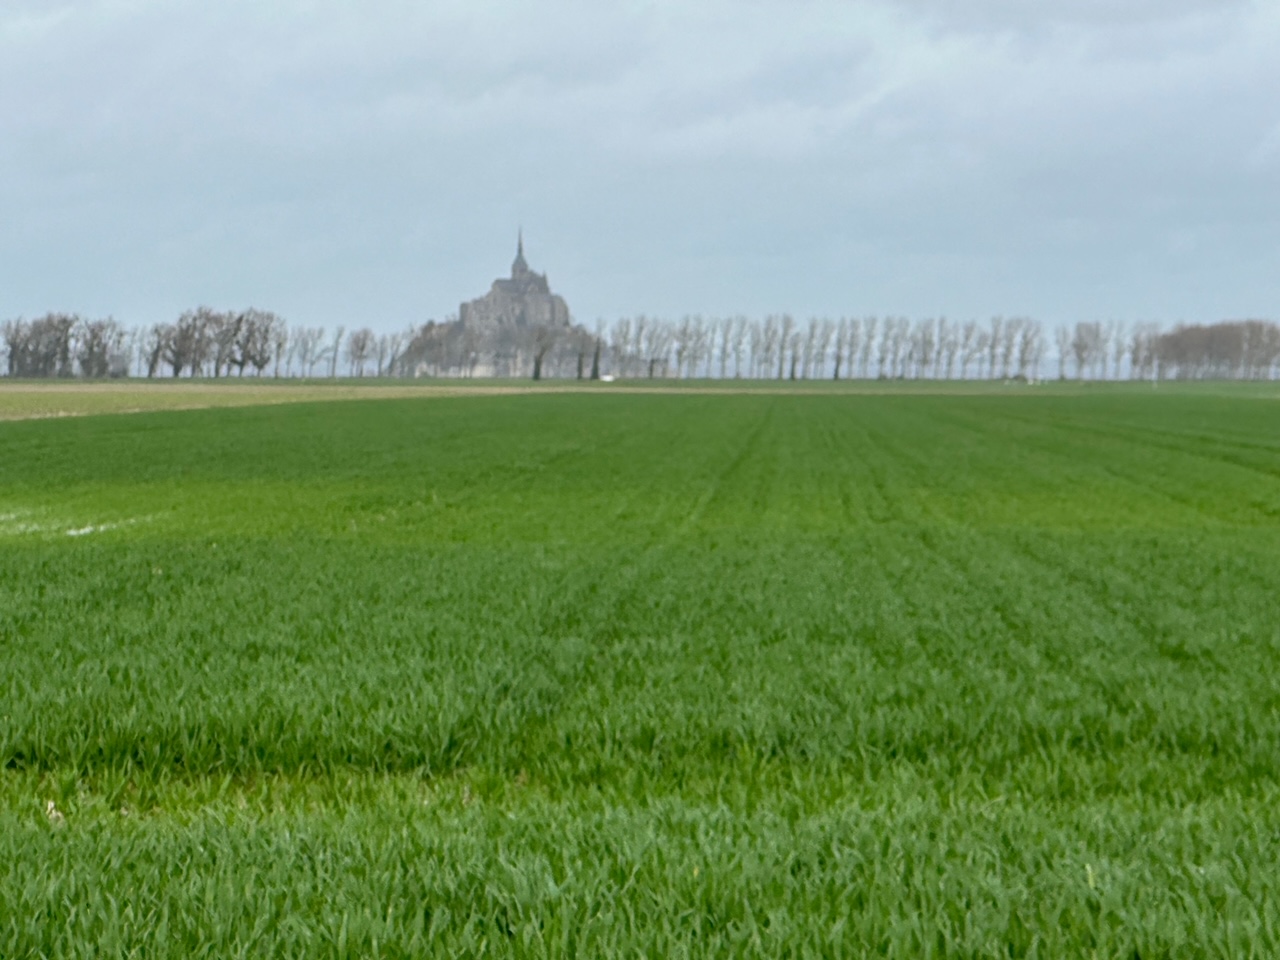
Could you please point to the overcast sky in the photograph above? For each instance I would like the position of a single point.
(370, 162)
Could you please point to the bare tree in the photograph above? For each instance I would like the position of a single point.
(293, 352)
(1086, 346)
(822, 345)
(1009, 337)
(993, 339)
(395, 347)
(620, 345)
(42, 347)
(892, 344)
(1142, 356)
(14, 333)
(723, 331)
(925, 347)
(597, 342)
(253, 343)
(658, 339)
(1062, 337)
(869, 325)
(155, 346)
(123, 361)
(973, 347)
(308, 341)
(1030, 349)
(690, 344)
(581, 347)
(949, 342)
(333, 351)
(189, 340)
(220, 331)
(97, 342)
(640, 337)
(359, 345)
(280, 346)
(792, 348)
(785, 326)
(543, 339)
(885, 349)
(842, 342)
(809, 349)
(770, 336)
(739, 341)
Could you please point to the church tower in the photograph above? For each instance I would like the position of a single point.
(518, 267)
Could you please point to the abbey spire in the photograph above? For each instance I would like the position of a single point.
(519, 267)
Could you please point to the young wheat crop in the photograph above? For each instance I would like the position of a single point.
(591, 675)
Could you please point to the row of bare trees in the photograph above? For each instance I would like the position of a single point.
(1239, 350)
(207, 342)
(200, 343)
(63, 345)
(775, 347)
(1230, 350)
(779, 347)
(210, 343)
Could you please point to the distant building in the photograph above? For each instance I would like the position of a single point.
(522, 302)
(516, 329)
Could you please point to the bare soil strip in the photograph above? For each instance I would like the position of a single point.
(32, 400)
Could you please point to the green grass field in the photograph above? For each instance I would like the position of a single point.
(605, 675)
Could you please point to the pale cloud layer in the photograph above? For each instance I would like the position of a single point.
(369, 163)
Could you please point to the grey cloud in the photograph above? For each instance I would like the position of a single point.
(1022, 15)
(331, 159)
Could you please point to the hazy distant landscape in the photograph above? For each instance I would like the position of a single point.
(208, 344)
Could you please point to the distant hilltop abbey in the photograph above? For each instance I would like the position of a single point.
(524, 301)
(516, 329)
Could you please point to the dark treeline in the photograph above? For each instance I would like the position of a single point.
(211, 343)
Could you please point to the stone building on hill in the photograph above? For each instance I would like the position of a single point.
(524, 301)
(519, 328)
